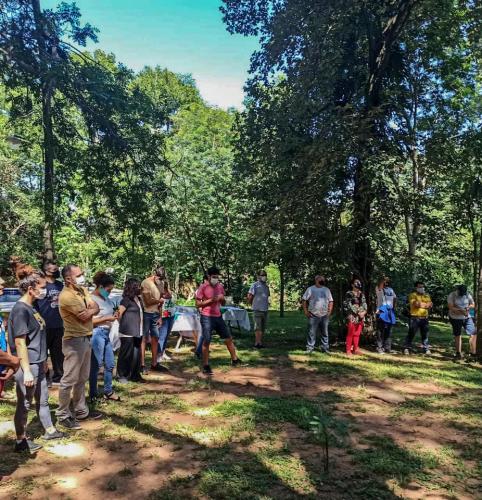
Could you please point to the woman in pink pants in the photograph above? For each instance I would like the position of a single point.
(355, 307)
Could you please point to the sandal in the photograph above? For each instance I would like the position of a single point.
(112, 397)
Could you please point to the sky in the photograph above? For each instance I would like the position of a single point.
(186, 36)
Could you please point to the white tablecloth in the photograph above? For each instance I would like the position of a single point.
(236, 316)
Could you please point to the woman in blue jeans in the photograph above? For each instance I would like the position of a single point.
(102, 351)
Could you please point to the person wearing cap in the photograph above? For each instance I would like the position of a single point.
(460, 304)
(317, 306)
(258, 297)
(420, 303)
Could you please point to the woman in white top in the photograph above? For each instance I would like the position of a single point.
(102, 351)
(386, 302)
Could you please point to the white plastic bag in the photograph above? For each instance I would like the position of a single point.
(114, 336)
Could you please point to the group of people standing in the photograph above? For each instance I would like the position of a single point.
(318, 302)
(73, 326)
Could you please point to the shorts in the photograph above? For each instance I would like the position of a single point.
(467, 324)
(214, 323)
(260, 320)
(150, 325)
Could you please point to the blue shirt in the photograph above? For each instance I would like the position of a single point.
(49, 307)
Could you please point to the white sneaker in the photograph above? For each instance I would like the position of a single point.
(165, 357)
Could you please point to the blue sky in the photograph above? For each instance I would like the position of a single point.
(186, 36)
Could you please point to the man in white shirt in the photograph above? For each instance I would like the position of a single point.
(460, 303)
(317, 306)
(258, 297)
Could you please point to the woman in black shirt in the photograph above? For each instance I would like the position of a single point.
(130, 333)
(27, 339)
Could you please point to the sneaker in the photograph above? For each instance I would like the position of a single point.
(427, 352)
(380, 351)
(93, 415)
(207, 370)
(70, 423)
(122, 381)
(26, 445)
(309, 351)
(159, 368)
(406, 352)
(457, 356)
(53, 435)
(471, 358)
(55, 384)
(165, 357)
(144, 370)
(49, 384)
(236, 362)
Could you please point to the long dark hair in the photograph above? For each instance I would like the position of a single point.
(132, 288)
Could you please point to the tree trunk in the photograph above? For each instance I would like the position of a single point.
(281, 290)
(49, 154)
(48, 87)
(479, 301)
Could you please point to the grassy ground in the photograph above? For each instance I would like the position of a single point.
(394, 426)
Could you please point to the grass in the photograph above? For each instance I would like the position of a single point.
(254, 442)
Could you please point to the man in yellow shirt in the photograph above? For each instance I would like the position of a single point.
(76, 309)
(420, 304)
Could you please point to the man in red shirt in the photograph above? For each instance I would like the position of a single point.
(209, 298)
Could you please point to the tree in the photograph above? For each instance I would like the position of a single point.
(34, 53)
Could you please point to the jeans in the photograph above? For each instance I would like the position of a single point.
(317, 324)
(164, 332)
(150, 325)
(384, 335)
(76, 373)
(416, 324)
(25, 395)
(102, 354)
(213, 323)
(54, 346)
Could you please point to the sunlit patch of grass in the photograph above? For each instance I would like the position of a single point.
(387, 460)
(215, 434)
(288, 468)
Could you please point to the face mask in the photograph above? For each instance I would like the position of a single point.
(80, 280)
(104, 293)
(262, 278)
(55, 275)
(357, 285)
(386, 285)
(420, 289)
(214, 281)
(462, 290)
(42, 294)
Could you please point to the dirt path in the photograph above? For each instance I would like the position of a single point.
(132, 455)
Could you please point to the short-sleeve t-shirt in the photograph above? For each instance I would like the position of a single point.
(49, 307)
(462, 302)
(71, 302)
(207, 291)
(130, 324)
(415, 311)
(260, 293)
(106, 308)
(385, 296)
(25, 321)
(318, 299)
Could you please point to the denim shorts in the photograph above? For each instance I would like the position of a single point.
(214, 323)
(150, 325)
(467, 324)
